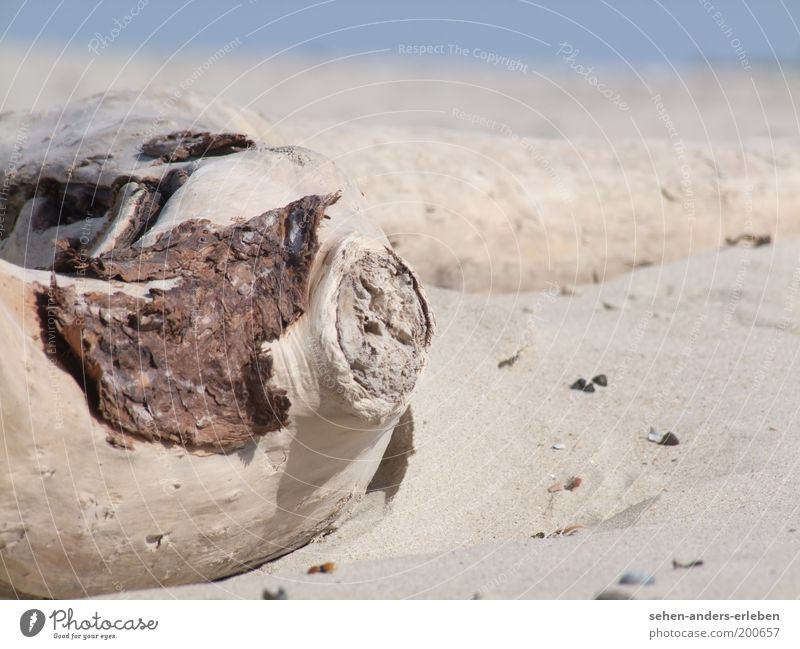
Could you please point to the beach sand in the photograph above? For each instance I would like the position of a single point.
(571, 243)
(705, 348)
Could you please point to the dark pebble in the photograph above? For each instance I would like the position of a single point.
(614, 594)
(589, 387)
(268, 594)
(580, 384)
(688, 564)
(670, 439)
(601, 380)
(637, 578)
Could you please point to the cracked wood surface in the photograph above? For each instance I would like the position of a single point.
(188, 364)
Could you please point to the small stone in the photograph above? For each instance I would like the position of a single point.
(614, 594)
(559, 447)
(268, 594)
(553, 488)
(589, 387)
(666, 439)
(580, 384)
(573, 484)
(637, 578)
(328, 566)
(670, 439)
(696, 563)
(601, 380)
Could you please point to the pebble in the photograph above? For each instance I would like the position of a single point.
(614, 594)
(637, 578)
(754, 240)
(559, 447)
(665, 439)
(556, 486)
(588, 386)
(573, 484)
(670, 439)
(328, 566)
(688, 564)
(268, 594)
(654, 436)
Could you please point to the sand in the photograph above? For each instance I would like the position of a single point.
(578, 251)
(705, 348)
(502, 213)
(490, 180)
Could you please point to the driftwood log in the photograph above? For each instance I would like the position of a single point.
(206, 345)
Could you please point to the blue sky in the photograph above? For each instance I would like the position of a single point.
(639, 32)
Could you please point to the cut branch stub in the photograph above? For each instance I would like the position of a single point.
(189, 364)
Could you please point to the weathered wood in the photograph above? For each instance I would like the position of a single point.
(206, 372)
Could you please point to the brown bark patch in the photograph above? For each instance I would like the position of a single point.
(190, 364)
(186, 145)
